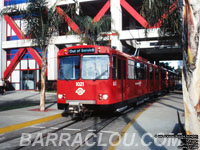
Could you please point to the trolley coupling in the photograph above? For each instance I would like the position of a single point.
(75, 108)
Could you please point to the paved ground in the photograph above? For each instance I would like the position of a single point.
(20, 99)
(16, 107)
(160, 118)
(135, 129)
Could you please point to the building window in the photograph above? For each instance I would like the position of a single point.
(12, 52)
(13, 2)
(10, 34)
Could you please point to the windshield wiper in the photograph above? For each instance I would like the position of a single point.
(99, 77)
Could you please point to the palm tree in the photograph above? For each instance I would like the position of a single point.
(42, 22)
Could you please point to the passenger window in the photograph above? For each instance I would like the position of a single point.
(157, 74)
(163, 75)
(145, 72)
(141, 71)
(114, 67)
(124, 66)
(151, 72)
(138, 71)
(119, 69)
(131, 69)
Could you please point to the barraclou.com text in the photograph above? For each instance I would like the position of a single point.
(112, 139)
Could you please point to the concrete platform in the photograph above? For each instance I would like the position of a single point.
(137, 129)
(160, 118)
(19, 107)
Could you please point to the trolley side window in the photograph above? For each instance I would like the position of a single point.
(69, 68)
(137, 71)
(140, 70)
(163, 75)
(95, 67)
(151, 72)
(124, 67)
(131, 69)
(114, 67)
(119, 69)
(156, 74)
(144, 72)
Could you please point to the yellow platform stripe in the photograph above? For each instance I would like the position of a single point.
(125, 129)
(29, 123)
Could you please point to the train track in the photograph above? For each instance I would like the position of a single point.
(104, 124)
(99, 126)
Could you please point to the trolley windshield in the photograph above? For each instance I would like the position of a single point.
(69, 68)
(95, 67)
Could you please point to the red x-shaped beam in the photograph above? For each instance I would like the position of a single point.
(102, 12)
(128, 8)
(73, 25)
(69, 21)
(132, 12)
(20, 53)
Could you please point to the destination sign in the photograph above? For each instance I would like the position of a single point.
(81, 50)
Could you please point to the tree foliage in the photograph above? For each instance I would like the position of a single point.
(152, 11)
(92, 30)
(41, 21)
(167, 66)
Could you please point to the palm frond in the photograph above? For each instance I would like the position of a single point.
(91, 30)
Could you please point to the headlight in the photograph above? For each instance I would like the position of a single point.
(105, 96)
(60, 96)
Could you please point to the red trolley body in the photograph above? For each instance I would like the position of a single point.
(98, 76)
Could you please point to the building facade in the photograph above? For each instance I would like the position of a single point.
(20, 62)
